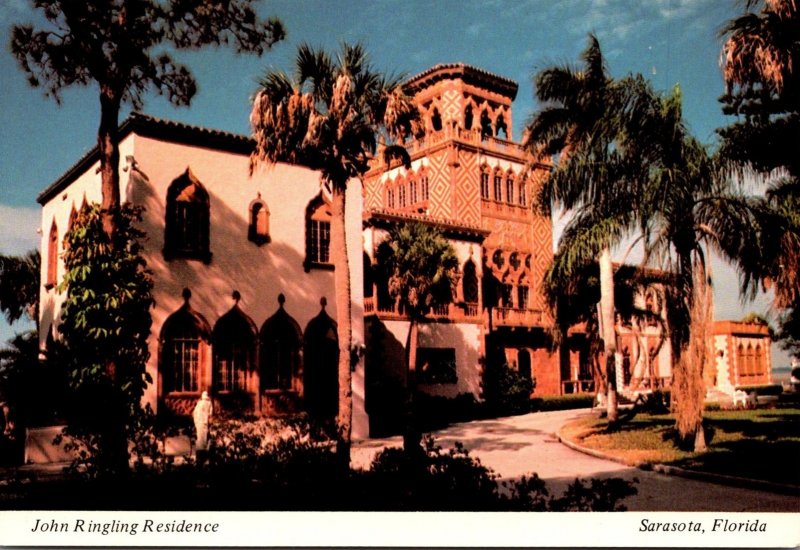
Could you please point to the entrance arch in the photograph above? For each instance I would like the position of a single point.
(320, 366)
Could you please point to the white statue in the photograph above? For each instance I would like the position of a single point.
(201, 415)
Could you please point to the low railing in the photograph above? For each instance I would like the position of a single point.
(503, 208)
(474, 137)
(454, 312)
(511, 316)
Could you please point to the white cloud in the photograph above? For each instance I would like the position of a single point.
(18, 226)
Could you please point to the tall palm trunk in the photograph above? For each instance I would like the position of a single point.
(412, 437)
(608, 330)
(341, 272)
(109, 159)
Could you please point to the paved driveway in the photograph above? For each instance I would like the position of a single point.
(519, 445)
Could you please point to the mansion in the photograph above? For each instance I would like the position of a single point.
(243, 277)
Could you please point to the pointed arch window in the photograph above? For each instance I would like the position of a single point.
(52, 256)
(318, 234)
(186, 233)
(498, 187)
(70, 223)
(280, 340)
(523, 293)
(485, 185)
(436, 120)
(390, 198)
(234, 344)
(413, 191)
(523, 198)
(509, 190)
(470, 283)
(423, 183)
(258, 228)
(184, 343)
(468, 118)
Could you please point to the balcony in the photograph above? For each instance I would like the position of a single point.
(456, 313)
(469, 137)
(516, 317)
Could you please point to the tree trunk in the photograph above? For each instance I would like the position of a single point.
(412, 437)
(341, 272)
(608, 331)
(109, 160)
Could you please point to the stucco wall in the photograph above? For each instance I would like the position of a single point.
(259, 273)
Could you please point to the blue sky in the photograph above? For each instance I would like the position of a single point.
(669, 41)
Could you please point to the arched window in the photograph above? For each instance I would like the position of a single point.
(390, 198)
(500, 125)
(184, 349)
(498, 187)
(509, 190)
(187, 219)
(70, 223)
(234, 344)
(468, 118)
(258, 228)
(318, 234)
(523, 198)
(470, 283)
(486, 125)
(52, 256)
(280, 340)
(436, 120)
(423, 183)
(401, 196)
(484, 184)
(320, 366)
(413, 191)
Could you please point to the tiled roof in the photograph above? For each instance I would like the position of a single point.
(467, 72)
(384, 216)
(153, 127)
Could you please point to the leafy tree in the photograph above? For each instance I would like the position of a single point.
(421, 269)
(582, 120)
(110, 44)
(105, 324)
(330, 117)
(760, 55)
(19, 286)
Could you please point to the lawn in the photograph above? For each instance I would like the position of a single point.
(759, 444)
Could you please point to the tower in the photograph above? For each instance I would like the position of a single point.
(467, 170)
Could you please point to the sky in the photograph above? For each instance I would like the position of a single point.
(668, 41)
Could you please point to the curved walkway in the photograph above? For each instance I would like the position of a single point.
(517, 445)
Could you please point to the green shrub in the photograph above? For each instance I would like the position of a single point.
(506, 391)
(562, 402)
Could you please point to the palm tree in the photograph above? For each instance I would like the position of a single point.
(421, 269)
(581, 120)
(330, 116)
(760, 56)
(686, 210)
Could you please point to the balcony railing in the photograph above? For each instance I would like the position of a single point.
(453, 312)
(516, 317)
(473, 137)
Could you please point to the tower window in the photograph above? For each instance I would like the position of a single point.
(523, 199)
(509, 191)
(485, 186)
(498, 188)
